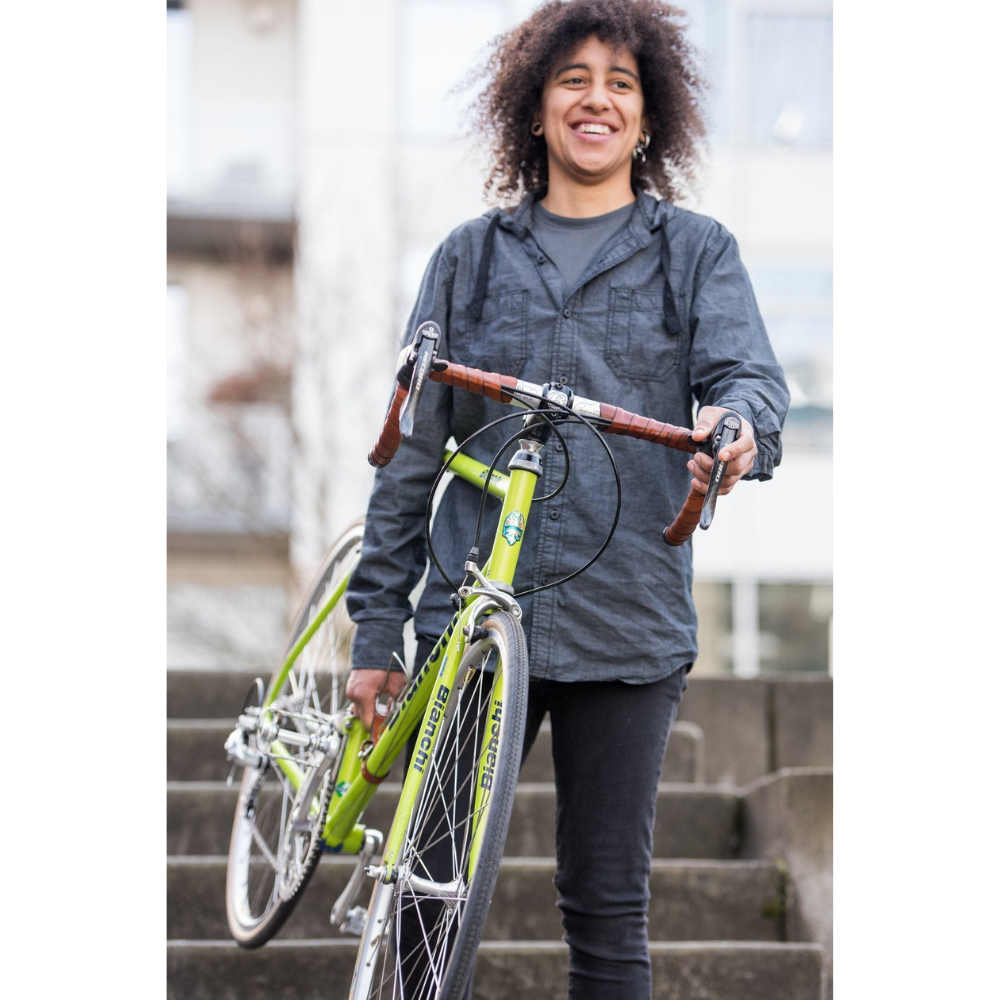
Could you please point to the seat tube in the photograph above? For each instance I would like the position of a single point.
(525, 468)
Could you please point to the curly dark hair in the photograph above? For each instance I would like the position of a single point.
(519, 64)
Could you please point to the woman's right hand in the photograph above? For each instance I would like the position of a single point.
(364, 688)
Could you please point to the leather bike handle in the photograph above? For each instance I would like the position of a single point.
(388, 441)
(686, 521)
(647, 429)
(488, 384)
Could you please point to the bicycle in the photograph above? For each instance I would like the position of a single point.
(310, 767)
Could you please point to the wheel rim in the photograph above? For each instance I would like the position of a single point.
(423, 932)
(269, 861)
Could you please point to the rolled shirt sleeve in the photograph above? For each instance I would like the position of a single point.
(731, 360)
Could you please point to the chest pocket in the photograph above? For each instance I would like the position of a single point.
(498, 342)
(638, 345)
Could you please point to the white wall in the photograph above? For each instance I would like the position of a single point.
(238, 142)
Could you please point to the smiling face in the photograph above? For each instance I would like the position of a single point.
(592, 117)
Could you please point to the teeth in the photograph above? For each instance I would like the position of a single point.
(595, 129)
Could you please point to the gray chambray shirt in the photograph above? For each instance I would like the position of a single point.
(630, 616)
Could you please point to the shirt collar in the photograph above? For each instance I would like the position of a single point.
(648, 213)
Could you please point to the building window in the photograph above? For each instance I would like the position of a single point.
(797, 307)
(752, 628)
(795, 627)
(789, 79)
(713, 601)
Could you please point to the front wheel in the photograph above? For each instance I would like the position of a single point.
(424, 929)
(276, 841)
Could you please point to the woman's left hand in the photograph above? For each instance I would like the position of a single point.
(740, 454)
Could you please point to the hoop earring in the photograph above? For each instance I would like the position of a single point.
(536, 129)
(639, 153)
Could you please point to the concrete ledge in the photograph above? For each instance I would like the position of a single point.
(749, 728)
(210, 694)
(516, 970)
(195, 753)
(733, 714)
(788, 816)
(693, 821)
(688, 971)
(756, 726)
(802, 722)
(690, 900)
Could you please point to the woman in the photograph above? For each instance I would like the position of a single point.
(593, 282)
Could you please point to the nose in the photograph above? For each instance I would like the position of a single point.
(596, 97)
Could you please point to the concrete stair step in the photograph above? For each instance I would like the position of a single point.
(514, 970)
(693, 821)
(754, 727)
(690, 900)
(751, 727)
(209, 694)
(195, 752)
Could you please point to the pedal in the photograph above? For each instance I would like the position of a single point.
(357, 920)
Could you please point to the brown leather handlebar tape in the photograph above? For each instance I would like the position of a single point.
(389, 439)
(489, 384)
(647, 429)
(631, 425)
(686, 521)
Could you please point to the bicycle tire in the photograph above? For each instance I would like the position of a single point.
(272, 855)
(442, 961)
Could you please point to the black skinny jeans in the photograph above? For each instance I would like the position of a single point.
(608, 742)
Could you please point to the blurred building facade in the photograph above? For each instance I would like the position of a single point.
(315, 160)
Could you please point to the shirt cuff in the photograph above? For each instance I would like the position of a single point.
(763, 463)
(374, 643)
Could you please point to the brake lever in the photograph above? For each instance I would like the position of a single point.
(725, 433)
(415, 370)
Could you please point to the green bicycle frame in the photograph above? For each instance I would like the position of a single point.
(426, 702)
(282, 759)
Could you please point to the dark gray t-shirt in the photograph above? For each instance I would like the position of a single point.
(573, 243)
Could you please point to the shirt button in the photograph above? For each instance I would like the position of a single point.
(541, 258)
(559, 446)
(545, 581)
(554, 515)
(564, 379)
(566, 313)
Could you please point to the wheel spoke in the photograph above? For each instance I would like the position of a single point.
(269, 861)
(433, 932)
(262, 844)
